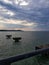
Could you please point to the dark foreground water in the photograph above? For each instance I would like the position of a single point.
(29, 40)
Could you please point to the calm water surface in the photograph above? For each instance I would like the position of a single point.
(29, 40)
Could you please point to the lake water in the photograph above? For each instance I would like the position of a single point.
(29, 40)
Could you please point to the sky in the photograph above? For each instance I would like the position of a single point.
(27, 15)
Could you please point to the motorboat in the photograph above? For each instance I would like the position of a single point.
(17, 39)
(43, 47)
(8, 36)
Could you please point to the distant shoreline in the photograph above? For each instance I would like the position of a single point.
(23, 31)
(11, 30)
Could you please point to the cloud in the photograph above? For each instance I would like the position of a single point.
(33, 13)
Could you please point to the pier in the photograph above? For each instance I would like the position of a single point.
(10, 60)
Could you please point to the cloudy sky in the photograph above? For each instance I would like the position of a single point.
(28, 15)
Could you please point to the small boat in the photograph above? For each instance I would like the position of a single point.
(8, 36)
(16, 39)
(41, 47)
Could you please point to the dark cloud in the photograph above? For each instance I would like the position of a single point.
(36, 11)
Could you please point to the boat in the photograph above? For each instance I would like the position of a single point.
(41, 47)
(8, 36)
(17, 39)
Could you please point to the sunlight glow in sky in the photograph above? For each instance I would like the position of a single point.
(28, 15)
